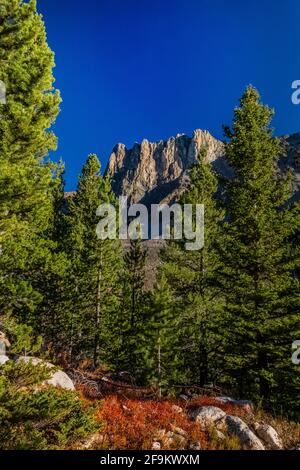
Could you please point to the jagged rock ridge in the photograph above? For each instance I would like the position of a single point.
(157, 172)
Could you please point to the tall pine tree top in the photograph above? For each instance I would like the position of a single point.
(26, 179)
(257, 277)
(32, 104)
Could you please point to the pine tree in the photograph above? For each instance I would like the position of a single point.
(191, 276)
(37, 418)
(133, 306)
(54, 284)
(96, 266)
(58, 223)
(135, 261)
(159, 348)
(32, 104)
(262, 293)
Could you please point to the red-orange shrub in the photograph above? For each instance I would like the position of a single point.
(133, 424)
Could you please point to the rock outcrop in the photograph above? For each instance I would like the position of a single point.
(58, 378)
(207, 415)
(3, 359)
(4, 343)
(269, 435)
(237, 427)
(4, 340)
(244, 405)
(157, 172)
(220, 427)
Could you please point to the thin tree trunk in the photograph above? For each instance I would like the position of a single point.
(202, 327)
(98, 313)
(262, 358)
(72, 328)
(264, 388)
(159, 368)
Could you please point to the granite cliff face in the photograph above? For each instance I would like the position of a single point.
(157, 172)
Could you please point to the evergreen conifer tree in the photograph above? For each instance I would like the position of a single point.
(159, 347)
(32, 104)
(135, 260)
(191, 276)
(261, 290)
(96, 267)
(133, 306)
(54, 284)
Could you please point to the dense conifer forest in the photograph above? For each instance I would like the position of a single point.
(220, 318)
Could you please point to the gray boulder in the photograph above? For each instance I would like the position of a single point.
(3, 359)
(4, 340)
(156, 445)
(268, 434)
(195, 446)
(237, 427)
(207, 415)
(57, 379)
(245, 405)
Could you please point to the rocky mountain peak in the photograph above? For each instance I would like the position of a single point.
(157, 172)
(154, 172)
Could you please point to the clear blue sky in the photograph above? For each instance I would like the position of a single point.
(134, 69)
